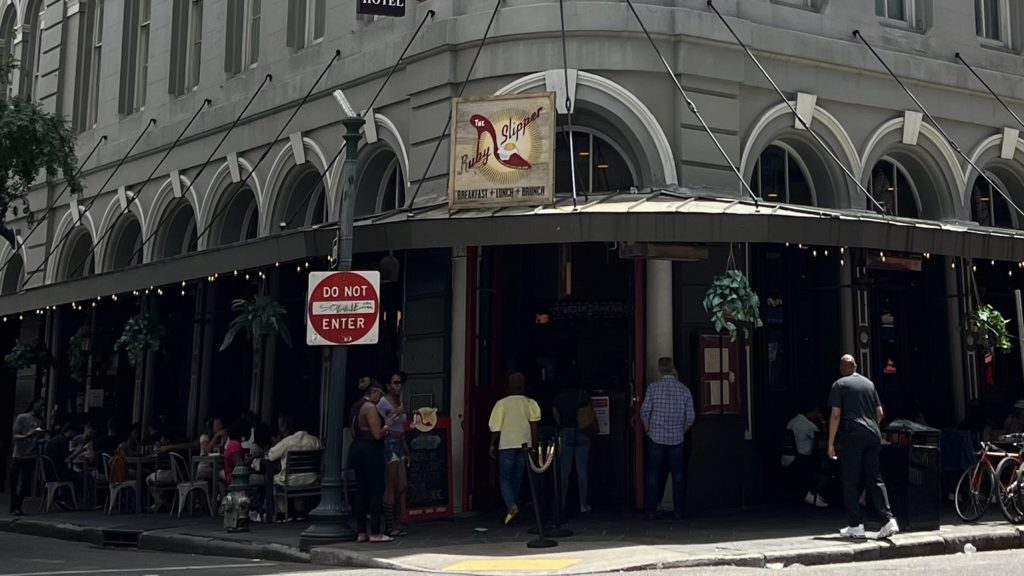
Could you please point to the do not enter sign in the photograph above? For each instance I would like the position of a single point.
(343, 308)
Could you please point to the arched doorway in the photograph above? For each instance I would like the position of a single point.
(601, 165)
(237, 218)
(381, 183)
(300, 203)
(13, 275)
(124, 248)
(179, 234)
(893, 188)
(79, 258)
(780, 175)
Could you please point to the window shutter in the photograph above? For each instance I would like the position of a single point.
(233, 46)
(296, 23)
(179, 46)
(129, 56)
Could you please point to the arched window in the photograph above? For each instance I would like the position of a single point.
(894, 190)
(237, 218)
(33, 49)
(179, 233)
(8, 27)
(381, 185)
(13, 275)
(780, 176)
(125, 248)
(988, 206)
(601, 166)
(300, 202)
(80, 258)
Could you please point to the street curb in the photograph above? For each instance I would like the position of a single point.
(159, 541)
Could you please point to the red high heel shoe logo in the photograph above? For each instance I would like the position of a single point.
(506, 154)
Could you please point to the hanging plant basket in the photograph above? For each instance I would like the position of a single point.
(24, 356)
(79, 347)
(141, 334)
(256, 316)
(990, 327)
(732, 304)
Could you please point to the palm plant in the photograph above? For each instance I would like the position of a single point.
(258, 317)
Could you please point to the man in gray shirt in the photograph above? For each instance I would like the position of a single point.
(28, 432)
(856, 412)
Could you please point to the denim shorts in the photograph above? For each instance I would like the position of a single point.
(393, 451)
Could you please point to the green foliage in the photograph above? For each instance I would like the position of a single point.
(257, 316)
(991, 328)
(31, 140)
(142, 334)
(731, 303)
(78, 351)
(24, 356)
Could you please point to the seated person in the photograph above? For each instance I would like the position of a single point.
(234, 454)
(58, 448)
(82, 453)
(805, 465)
(300, 440)
(132, 446)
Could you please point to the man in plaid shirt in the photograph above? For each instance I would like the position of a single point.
(667, 413)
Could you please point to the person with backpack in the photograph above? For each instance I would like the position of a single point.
(576, 421)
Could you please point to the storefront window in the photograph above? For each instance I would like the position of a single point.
(779, 177)
(601, 166)
(891, 187)
(989, 208)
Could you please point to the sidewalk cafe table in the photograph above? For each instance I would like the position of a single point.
(140, 480)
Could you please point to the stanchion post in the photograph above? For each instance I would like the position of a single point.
(540, 541)
(559, 516)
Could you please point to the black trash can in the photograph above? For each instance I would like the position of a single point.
(911, 470)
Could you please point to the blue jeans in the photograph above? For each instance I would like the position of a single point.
(662, 459)
(512, 462)
(575, 447)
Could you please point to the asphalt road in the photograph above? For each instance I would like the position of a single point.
(31, 556)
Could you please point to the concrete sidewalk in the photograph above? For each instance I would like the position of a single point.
(481, 545)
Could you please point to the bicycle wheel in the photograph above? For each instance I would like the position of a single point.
(1008, 476)
(974, 492)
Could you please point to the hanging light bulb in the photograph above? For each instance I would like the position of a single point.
(160, 291)
(277, 264)
(298, 268)
(114, 297)
(826, 252)
(993, 262)
(974, 267)
(842, 249)
(927, 255)
(307, 264)
(842, 262)
(815, 253)
(787, 246)
(952, 263)
(182, 283)
(236, 272)
(1009, 273)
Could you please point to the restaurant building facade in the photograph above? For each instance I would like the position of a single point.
(597, 288)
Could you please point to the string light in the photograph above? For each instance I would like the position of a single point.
(277, 264)
(974, 267)
(21, 317)
(842, 250)
(952, 263)
(114, 297)
(842, 262)
(307, 264)
(329, 258)
(927, 255)
(993, 262)
(298, 268)
(182, 283)
(236, 272)
(826, 252)
(246, 276)
(160, 291)
(182, 291)
(1009, 273)
(815, 253)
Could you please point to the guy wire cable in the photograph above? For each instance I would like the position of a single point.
(168, 213)
(792, 109)
(138, 193)
(990, 90)
(693, 108)
(462, 89)
(77, 218)
(266, 152)
(53, 205)
(938, 127)
(568, 106)
(321, 184)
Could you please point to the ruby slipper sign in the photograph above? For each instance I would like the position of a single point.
(343, 308)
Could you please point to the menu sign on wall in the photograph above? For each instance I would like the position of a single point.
(502, 151)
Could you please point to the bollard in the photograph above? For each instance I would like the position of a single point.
(236, 504)
(540, 541)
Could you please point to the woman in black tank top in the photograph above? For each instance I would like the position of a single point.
(366, 457)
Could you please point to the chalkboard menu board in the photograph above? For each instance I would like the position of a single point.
(429, 492)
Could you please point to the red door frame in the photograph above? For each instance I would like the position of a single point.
(639, 369)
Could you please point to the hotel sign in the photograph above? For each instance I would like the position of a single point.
(381, 7)
(503, 150)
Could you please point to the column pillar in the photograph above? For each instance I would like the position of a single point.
(955, 305)
(459, 380)
(659, 319)
(846, 298)
(149, 380)
(209, 348)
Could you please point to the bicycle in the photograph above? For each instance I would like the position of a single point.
(1011, 482)
(978, 485)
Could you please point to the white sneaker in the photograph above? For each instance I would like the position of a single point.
(890, 529)
(817, 501)
(853, 532)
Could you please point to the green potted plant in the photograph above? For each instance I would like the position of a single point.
(990, 328)
(142, 334)
(732, 304)
(24, 356)
(258, 317)
(79, 347)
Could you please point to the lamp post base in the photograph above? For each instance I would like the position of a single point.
(329, 523)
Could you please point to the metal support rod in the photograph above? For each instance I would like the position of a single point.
(137, 193)
(990, 90)
(53, 205)
(568, 104)
(462, 89)
(78, 217)
(330, 519)
(949, 140)
(321, 182)
(169, 213)
(266, 151)
(821, 142)
(693, 108)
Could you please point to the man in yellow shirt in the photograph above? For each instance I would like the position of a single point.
(513, 423)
